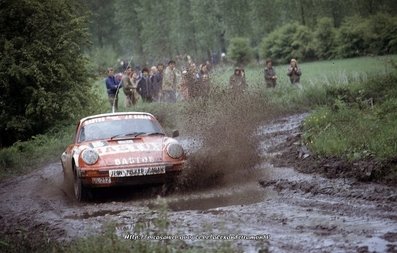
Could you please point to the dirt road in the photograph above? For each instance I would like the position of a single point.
(281, 210)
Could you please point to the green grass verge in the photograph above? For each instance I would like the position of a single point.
(23, 157)
(358, 122)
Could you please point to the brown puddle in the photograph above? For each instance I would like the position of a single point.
(227, 197)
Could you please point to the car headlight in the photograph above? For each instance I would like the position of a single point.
(174, 150)
(89, 156)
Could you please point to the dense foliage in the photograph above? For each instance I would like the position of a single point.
(153, 31)
(43, 76)
(357, 36)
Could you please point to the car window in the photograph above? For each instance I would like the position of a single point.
(107, 129)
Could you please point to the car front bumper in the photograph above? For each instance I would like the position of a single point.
(130, 176)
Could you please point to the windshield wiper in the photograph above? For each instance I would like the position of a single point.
(148, 134)
(134, 134)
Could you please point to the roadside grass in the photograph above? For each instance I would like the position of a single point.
(23, 157)
(359, 121)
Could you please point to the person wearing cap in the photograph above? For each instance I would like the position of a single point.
(111, 87)
(237, 81)
(270, 74)
(294, 72)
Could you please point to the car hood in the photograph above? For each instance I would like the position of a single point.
(129, 152)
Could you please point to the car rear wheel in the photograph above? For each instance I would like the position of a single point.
(81, 192)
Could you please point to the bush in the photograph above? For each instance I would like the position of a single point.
(240, 51)
(288, 41)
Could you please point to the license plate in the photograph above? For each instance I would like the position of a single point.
(137, 172)
(101, 180)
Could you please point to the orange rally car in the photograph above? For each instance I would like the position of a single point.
(128, 148)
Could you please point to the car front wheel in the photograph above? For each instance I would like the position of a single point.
(81, 192)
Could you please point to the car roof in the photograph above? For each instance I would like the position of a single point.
(115, 114)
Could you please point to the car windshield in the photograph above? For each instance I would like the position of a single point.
(118, 128)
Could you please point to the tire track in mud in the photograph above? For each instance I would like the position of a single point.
(300, 212)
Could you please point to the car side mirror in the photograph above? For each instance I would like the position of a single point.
(175, 133)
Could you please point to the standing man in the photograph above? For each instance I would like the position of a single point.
(129, 87)
(270, 74)
(237, 81)
(144, 87)
(169, 83)
(111, 87)
(155, 78)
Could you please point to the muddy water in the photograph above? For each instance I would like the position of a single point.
(286, 210)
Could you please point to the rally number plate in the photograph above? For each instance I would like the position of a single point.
(137, 172)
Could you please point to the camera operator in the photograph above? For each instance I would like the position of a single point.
(294, 72)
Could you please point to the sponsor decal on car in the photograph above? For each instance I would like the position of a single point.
(125, 142)
(136, 147)
(134, 160)
(117, 117)
(97, 144)
(143, 171)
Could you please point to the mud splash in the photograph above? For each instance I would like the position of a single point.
(225, 148)
(287, 211)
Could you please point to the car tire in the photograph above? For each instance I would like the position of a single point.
(67, 179)
(81, 192)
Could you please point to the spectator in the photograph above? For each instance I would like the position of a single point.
(203, 81)
(160, 70)
(155, 78)
(129, 81)
(208, 66)
(270, 74)
(168, 93)
(294, 72)
(144, 87)
(237, 81)
(192, 86)
(111, 87)
(184, 90)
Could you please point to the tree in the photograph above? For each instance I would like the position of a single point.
(43, 78)
(129, 28)
(324, 39)
(264, 18)
(102, 26)
(209, 26)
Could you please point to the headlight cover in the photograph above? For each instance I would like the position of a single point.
(89, 156)
(174, 150)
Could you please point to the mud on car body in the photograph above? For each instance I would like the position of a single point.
(128, 148)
